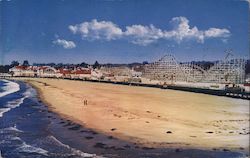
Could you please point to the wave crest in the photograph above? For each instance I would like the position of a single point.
(31, 149)
(75, 151)
(9, 87)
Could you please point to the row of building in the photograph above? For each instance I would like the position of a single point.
(109, 74)
(115, 74)
(166, 71)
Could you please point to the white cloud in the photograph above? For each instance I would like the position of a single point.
(73, 29)
(144, 35)
(66, 44)
(214, 32)
(97, 30)
(182, 31)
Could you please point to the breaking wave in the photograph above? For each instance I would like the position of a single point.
(3, 110)
(31, 149)
(12, 129)
(16, 103)
(75, 151)
(9, 87)
(11, 105)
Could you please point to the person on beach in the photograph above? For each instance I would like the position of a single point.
(85, 102)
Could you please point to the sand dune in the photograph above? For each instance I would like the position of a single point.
(149, 116)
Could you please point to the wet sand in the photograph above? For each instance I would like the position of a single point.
(151, 117)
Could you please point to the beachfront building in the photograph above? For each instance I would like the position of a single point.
(17, 70)
(96, 74)
(64, 73)
(107, 76)
(34, 71)
(47, 71)
(119, 74)
(23, 71)
(76, 73)
(81, 73)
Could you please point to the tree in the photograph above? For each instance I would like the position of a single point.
(14, 63)
(144, 62)
(26, 63)
(83, 64)
(96, 65)
(51, 64)
(4, 68)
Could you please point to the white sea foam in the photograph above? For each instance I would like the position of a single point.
(16, 103)
(10, 105)
(30, 92)
(31, 149)
(9, 87)
(24, 147)
(16, 138)
(12, 129)
(3, 110)
(75, 151)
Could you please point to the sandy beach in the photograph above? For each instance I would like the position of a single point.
(151, 117)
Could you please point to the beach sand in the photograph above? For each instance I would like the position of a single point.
(151, 117)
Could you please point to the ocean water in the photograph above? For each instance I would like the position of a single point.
(24, 127)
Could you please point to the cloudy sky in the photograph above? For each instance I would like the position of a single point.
(122, 31)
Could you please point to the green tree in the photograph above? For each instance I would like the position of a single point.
(96, 65)
(83, 64)
(26, 63)
(14, 63)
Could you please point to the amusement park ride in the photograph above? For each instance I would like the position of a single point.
(228, 71)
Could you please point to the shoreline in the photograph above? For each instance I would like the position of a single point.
(140, 142)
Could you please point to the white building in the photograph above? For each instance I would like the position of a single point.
(24, 71)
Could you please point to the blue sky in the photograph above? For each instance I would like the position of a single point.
(122, 31)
